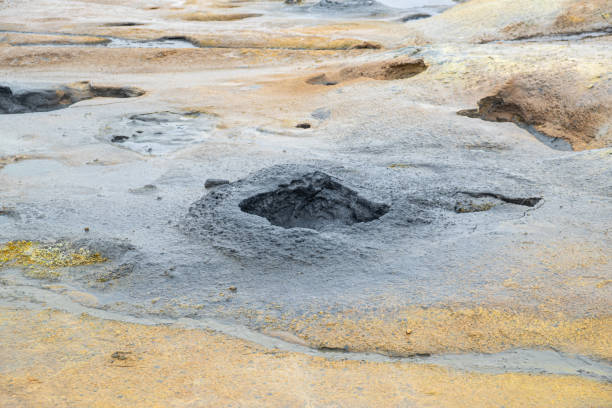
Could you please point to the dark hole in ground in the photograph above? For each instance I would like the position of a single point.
(45, 100)
(303, 125)
(313, 201)
(484, 201)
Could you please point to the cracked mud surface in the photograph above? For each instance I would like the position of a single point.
(200, 235)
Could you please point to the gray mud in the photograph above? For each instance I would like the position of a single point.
(45, 100)
(158, 133)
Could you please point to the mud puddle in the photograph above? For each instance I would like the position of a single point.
(160, 133)
(530, 361)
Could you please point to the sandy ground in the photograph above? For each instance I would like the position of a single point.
(100, 269)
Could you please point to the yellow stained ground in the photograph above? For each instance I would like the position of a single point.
(437, 330)
(52, 359)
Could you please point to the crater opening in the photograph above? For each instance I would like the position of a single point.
(46, 100)
(313, 201)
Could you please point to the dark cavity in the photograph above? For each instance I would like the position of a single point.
(313, 201)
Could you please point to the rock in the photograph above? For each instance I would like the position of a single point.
(120, 355)
(212, 183)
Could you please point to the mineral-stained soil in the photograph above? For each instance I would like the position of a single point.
(92, 362)
(553, 107)
(400, 68)
(220, 203)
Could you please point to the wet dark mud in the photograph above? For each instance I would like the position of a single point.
(313, 201)
(45, 100)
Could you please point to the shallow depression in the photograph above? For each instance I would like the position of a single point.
(158, 133)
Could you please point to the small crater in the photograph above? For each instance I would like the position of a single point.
(313, 201)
